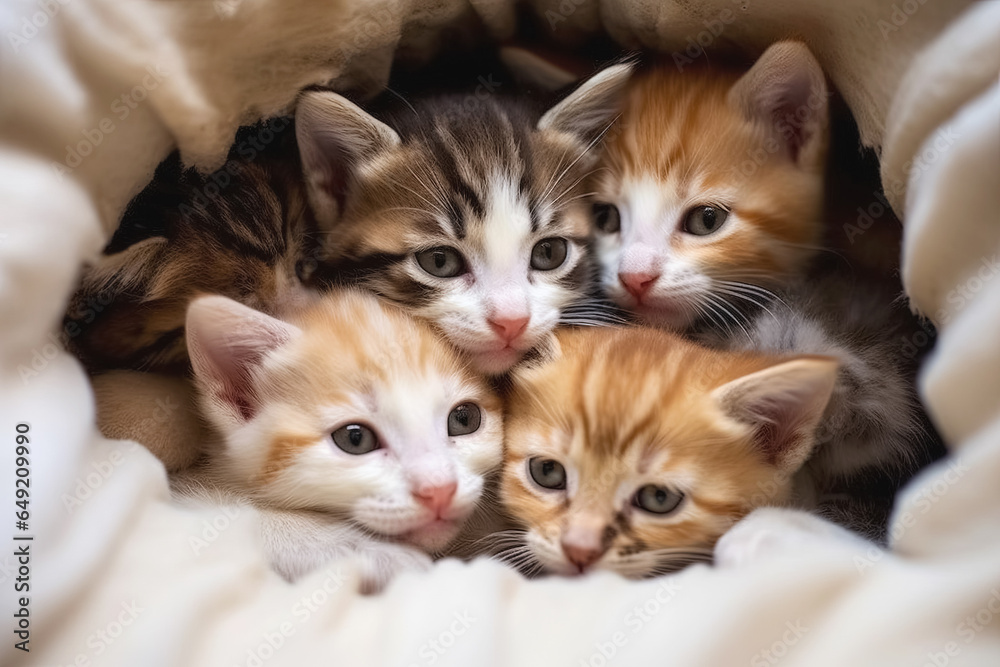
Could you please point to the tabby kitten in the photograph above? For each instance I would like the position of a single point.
(634, 450)
(353, 428)
(239, 232)
(712, 186)
(466, 211)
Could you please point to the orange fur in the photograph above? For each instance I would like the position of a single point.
(678, 129)
(353, 346)
(707, 137)
(622, 408)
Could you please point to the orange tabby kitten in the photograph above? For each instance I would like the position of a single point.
(712, 186)
(634, 450)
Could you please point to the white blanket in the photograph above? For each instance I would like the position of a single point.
(93, 93)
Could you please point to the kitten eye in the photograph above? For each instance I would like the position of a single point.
(464, 419)
(607, 218)
(547, 473)
(705, 220)
(548, 254)
(355, 439)
(657, 499)
(443, 262)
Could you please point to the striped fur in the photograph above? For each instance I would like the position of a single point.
(489, 177)
(238, 232)
(621, 408)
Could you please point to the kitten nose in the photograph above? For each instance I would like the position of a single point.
(508, 328)
(583, 556)
(436, 498)
(638, 283)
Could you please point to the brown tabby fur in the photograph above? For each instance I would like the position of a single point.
(241, 239)
(703, 136)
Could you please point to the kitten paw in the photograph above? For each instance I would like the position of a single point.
(381, 562)
(770, 532)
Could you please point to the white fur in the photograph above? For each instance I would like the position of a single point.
(368, 496)
(501, 283)
(769, 533)
(649, 242)
(299, 542)
(374, 490)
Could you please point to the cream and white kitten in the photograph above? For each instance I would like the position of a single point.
(352, 428)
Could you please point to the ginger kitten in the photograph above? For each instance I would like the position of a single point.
(712, 186)
(353, 427)
(634, 450)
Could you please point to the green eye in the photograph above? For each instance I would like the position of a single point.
(657, 499)
(355, 439)
(547, 473)
(464, 419)
(705, 220)
(442, 262)
(548, 254)
(607, 218)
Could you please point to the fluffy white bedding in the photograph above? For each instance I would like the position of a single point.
(120, 577)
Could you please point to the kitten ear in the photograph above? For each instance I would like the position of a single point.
(532, 71)
(227, 341)
(591, 108)
(335, 137)
(784, 403)
(786, 89)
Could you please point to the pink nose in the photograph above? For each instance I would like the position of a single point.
(436, 498)
(638, 283)
(581, 556)
(508, 328)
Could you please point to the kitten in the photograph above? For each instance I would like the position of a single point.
(467, 211)
(346, 420)
(634, 450)
(712, 202)
(239, 232)
(712, 181)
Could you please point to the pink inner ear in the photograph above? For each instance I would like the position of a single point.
(785, 89)
(327, 163)
(783, 403)
(776, 428)
(234, 373)
(227, 343)
(791, 115)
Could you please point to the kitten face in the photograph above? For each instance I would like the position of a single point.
(633, 450)
(713, 183)
(473, 218)
(492, 269)
(352, 408)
